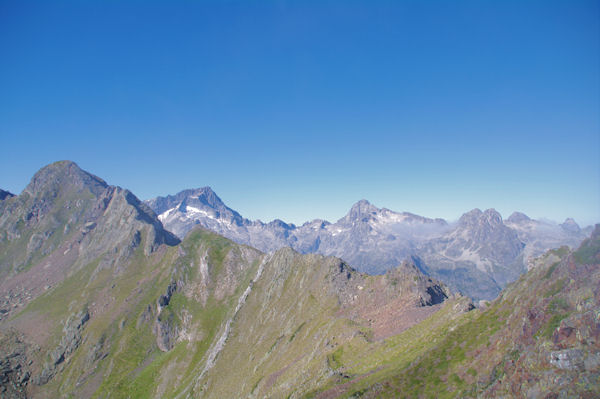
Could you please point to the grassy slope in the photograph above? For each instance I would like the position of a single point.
(276, 341)
(119, 356)
(18, 253)
(502, 351)
(292, 339)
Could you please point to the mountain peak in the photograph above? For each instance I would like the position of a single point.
(280, 223)
(570, 225)
(360, 210)
(62, 175)
(362, 202)
(204, 196)
(518, 217)
(493, 216)
(470, 217)
(207, 196)
(477, 217)
(316, 223)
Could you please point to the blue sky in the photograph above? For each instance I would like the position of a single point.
(296, 110)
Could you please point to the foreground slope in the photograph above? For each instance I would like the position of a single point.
(539, 339)
(301, 311)
(133, 331)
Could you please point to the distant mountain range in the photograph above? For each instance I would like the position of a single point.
(478, 255)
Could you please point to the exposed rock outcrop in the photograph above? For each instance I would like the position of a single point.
(15, 371)
(69, 342)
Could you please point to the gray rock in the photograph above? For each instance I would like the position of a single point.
(14, 366)
(69, 342)
(568, 359)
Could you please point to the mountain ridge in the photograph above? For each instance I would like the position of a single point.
(375, 239)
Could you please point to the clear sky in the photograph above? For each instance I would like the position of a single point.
(297, 109)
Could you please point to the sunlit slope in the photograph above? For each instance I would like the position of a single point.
(140, 330)
(540, 338)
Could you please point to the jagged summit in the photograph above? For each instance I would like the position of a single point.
(64, 202)
(470, 218)
(493, 216)
(477, 217)
(478, 257)
(203, 195)
(316, 223)
(570, 225)
(518, 217)
(360, 211)
(280, 223)
(184, 210)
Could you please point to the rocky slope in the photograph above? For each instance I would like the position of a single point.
(302, 310)
(64, 219)
(205, 305)
(539, 339)
(478, 255)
